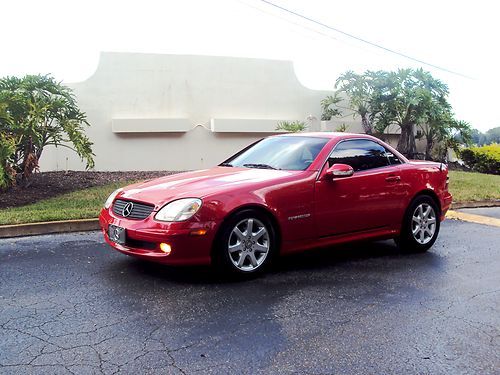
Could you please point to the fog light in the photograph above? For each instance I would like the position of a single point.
(165, 247)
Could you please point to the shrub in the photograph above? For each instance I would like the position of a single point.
(37, 111)
(7, 150)
(291, 126)
(342, 128)
(484, 159)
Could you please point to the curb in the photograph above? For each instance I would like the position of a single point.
(33, 229)
(475, 204)
(64, 226)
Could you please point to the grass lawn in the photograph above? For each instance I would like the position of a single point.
(82, 204)
(85, 204)
(470, 186)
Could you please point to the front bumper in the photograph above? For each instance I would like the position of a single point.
(144, 238)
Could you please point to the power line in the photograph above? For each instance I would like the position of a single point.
(394, 52)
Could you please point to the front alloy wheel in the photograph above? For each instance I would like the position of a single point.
(248, 244)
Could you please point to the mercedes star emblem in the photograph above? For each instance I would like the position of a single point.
(127, 210)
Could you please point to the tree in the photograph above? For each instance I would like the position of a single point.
(460, 134)
(359, 89)
(436, 127)
(41, 112)
(493, 135)
(478, 138)
(407, 98)
(445, 132)
(330, 108)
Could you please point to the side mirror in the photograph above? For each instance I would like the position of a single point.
(339, 171)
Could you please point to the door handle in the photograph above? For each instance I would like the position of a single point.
(393, 178)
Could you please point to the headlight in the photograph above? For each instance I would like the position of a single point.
(179, 210)
(111, 198)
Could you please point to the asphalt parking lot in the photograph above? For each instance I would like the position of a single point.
(69, 304)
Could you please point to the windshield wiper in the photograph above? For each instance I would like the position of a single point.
(225, 165)
(261, 166)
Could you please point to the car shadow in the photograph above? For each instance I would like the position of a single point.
(382, 256)
(335, 280)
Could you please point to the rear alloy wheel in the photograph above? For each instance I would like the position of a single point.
(247, 243)
(421, 225)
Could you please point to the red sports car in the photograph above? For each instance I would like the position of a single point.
(282, 194)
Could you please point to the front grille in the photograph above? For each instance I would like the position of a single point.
(139, 211)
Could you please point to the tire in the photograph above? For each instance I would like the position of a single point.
(240, 252)
(421, 225)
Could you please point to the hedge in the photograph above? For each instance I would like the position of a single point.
(484, 159)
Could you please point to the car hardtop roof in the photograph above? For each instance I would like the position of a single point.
(329, 135)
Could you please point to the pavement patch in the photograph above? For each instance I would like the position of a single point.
(482, 211)
(473, 218)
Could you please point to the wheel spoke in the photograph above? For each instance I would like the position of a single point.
(256, 236)
(253, 260)
(416, 230)
(431, 221)
(422, 235)
(239, 233)
(241, 261)
(427, 212)
(260, 248)
(420, 212)
(236, 247)
(249, 230)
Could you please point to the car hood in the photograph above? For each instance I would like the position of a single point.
(202, 183)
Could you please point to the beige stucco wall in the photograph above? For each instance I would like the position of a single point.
(177, 112)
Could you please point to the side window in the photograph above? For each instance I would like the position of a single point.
(360, 154)
(393, 159)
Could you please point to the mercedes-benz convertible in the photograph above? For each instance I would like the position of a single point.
(282, 194)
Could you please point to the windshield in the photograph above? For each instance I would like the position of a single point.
(289, 153)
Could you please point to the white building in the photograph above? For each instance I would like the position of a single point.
(175, 112)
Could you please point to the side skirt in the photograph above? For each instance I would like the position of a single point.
(376, 234)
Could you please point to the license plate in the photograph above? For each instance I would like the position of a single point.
(117, 234)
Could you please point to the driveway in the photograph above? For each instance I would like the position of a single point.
(69, 304)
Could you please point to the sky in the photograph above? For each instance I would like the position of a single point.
(64, 38)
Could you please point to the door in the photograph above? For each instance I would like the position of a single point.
(370, 199)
